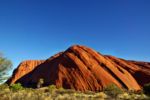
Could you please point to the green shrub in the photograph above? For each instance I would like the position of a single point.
(52, 88)
(146, 88)
(113, 90)
(16, 87)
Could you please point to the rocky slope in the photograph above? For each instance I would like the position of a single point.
(82, 68)
(23, 69)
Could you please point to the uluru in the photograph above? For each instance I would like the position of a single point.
(82, 68)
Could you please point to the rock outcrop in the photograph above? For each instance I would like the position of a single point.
(82, 68)
(23, 69)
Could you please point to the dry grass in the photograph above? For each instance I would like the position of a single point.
(51, 93)
(47, 93)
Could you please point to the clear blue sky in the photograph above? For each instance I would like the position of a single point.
(37, 29)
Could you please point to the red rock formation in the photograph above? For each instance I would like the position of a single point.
(82, 68)
(24, 68)
(139, 70)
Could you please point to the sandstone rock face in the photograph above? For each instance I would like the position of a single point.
(139, 70)
(24, 68)
(82, 68)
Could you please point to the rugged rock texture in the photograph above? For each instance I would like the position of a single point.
(82, 68)
(24, 68)
(139, 70)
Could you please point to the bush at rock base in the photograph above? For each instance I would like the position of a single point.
(16, 87)
(146, 89)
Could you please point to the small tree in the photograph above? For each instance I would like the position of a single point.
(40, 83)
(5, 65)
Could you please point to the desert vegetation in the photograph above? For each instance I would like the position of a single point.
(40, 91)
(5, 65)
(146, 89)
(112, 92)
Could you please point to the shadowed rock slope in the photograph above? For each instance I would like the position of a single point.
(82, 68)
